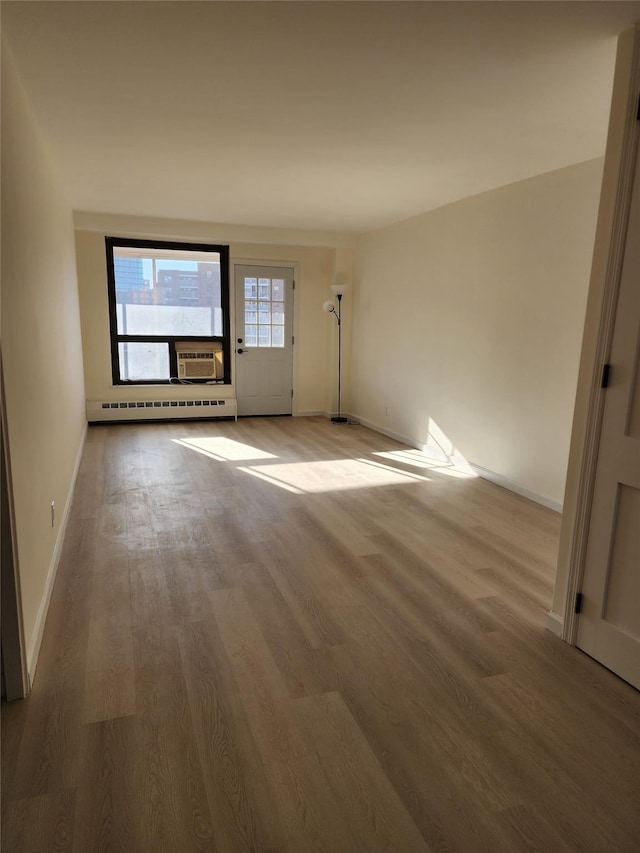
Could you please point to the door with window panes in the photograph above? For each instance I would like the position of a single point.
(264, 339)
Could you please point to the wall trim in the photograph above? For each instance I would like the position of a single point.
(555, 623)
(33, 651)
(411, 442)
(492, 476)
(512, 486)
(612, 232)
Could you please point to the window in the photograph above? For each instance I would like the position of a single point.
(264, 312)
(167, 302)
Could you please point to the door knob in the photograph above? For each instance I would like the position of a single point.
(240, 350)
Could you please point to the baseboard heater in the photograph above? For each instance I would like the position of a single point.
(160, 410)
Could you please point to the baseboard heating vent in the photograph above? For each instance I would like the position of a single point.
(141, 410)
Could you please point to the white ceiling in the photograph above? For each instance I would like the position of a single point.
(321, 115)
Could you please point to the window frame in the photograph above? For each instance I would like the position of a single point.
(112, 243)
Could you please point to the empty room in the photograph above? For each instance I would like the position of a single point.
(320, 332)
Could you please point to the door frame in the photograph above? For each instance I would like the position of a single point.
(271, 262)
(611, 233)
(14, 658)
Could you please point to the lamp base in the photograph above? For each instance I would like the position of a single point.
(339, 420)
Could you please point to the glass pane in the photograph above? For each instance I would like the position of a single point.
(143, 361)
(264, 336)
(250, 288)
(277, 289)
(264, 314)
(277, 336)
(250, 312)
(251, 336)
(167, 296)
(277, 312)
(264, 288)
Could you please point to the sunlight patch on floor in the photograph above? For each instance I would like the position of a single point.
(224, 449)
(418, 459)
(332, 476)
(383, 468)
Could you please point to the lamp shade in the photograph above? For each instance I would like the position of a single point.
(328, 306)
(339, 289)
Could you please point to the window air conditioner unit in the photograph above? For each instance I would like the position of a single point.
(198, 361)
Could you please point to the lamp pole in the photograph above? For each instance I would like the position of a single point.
(330, 308)
(339, 419)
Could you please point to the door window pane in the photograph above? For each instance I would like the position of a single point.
(250, 312)
(264, 288)
(264, 314)
(251, 335)
(250, 288)
(264, 336)
(277, 313)
(277, 336)
(277, 289)
(143, 361)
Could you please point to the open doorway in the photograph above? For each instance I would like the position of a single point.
(599, 536)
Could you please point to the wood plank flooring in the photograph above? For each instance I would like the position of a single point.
(265, 636)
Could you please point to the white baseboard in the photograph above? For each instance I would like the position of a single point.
(395, 435)
(33, 650)
(498, 479)
(555, 623)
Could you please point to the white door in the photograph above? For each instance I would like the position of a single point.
(264, 339)
(609, 623)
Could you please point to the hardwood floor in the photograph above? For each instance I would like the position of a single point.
(266, 637)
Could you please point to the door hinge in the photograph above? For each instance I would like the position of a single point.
(292, 393)
(638, 113)
(293, 340)
(294, 284)
(578, 607)
(606, 372)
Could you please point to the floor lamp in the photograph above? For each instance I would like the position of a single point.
(330, 307)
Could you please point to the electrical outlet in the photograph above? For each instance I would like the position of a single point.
(53, 513)
(387, 410)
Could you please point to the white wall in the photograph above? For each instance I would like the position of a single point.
(41, 346)
(467, 325)
(317, 264)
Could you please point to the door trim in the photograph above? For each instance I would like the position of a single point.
(14, 657)
(620, 157)
(270, 262)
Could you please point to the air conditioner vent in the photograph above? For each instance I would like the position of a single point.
(199, 360)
